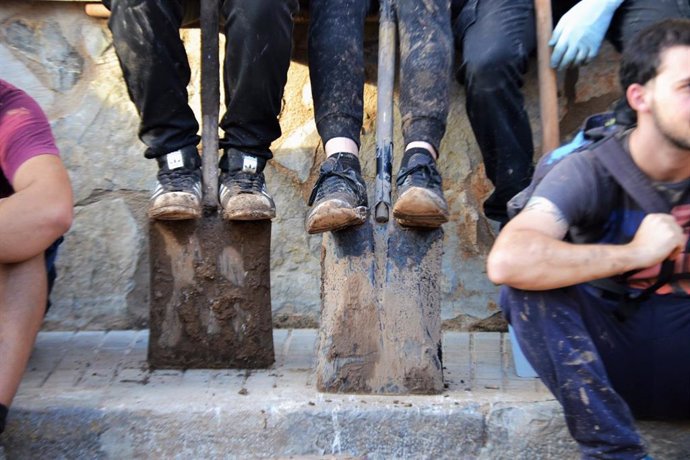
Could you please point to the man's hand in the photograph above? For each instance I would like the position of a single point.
(658, 238)
(578, 35)
(529, 252)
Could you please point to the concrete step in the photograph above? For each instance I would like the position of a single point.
(90, 395)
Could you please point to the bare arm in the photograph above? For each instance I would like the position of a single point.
(530, 252)
(39, 211)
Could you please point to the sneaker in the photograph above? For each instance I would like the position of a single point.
(242, 190)
(177, 195)
(420, 200)
(339, 195)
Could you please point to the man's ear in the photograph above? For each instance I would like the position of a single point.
(638, 97)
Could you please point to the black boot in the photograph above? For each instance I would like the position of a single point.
(339, 196)
(420, 200)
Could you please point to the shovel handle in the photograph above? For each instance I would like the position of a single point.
(548, 88)
(384, 110)
(210, 100)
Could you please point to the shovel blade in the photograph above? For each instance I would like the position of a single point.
(381, 311)
(210, 294)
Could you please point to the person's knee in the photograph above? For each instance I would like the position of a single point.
(492, 67)
(259, 13)
(28, 274)
(529, 306)
(509, 302)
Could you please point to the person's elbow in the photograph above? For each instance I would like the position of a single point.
(499, 266)
(505, 263)
(58, 217)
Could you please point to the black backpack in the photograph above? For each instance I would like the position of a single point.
(598, 135)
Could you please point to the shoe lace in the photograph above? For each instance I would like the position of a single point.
(325, 185)
(245, 182)
(424, 174)
(177, 179)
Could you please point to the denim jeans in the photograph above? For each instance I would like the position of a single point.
(336, 66)
(494, 75)
(605, 372)
(154, 63)
(51, 271)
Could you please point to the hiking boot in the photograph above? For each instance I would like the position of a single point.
(242, 190)
(177, 195)
(339, 195)
(420, 200)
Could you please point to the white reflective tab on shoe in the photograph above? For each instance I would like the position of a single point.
(175, 160)
(250, 164)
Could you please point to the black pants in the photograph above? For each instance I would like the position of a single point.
(493, 77)
(153, 59)
(336, 66)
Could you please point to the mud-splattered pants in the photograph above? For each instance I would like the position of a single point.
(153, 59)
(496, 38)
(336, 66)
(603, 371)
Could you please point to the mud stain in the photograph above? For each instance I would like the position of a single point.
(210, 295)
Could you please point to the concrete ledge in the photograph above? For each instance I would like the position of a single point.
(91, 395)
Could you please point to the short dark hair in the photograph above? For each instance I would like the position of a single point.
(642, 55)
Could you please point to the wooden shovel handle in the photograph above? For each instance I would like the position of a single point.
(548, 88)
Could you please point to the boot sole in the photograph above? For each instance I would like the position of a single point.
(248, 214)
(174, 213)
(334, 215)
(420, 221)
(418, 207)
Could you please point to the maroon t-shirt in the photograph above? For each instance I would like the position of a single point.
(24, 134)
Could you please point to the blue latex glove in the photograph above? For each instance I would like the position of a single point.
(578, 35)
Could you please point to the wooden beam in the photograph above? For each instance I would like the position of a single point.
(97, 10)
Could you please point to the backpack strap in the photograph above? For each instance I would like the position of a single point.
(610, 153)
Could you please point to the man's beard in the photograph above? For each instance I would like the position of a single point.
(676, 139)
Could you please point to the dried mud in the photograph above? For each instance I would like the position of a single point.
(210, 294)
(380, 319)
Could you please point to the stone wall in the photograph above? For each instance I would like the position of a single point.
(66, 61)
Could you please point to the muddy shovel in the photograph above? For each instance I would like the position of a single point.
(381, 283)
(210, 280)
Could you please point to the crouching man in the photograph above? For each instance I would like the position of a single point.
(582, 265)
(35, 210)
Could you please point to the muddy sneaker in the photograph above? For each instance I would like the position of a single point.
(242, 190)
(177, 195)
(339, 195)
(420, 200)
